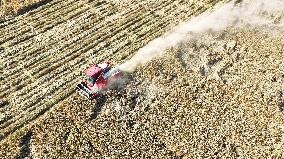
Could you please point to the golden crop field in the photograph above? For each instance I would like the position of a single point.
(13, 7)
(219, 94)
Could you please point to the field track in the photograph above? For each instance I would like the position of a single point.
(43, 51)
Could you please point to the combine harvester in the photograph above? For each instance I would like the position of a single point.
(98, 79)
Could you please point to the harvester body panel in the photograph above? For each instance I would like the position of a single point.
(99, 76)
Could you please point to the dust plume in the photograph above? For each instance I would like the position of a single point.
(258, 13)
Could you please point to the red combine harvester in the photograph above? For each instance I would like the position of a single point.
(98, 76)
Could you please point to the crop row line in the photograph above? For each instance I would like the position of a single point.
(85, 50)
(12, 23)
(33, 60)
(21, 28)
(145, 34)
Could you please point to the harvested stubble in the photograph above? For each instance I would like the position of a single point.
(173, 107)
(12, 7)
(56, 136)
(43, 52)
(113, 132)
(40, 63)
(228, 103)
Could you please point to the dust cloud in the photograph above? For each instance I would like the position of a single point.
(259, 13)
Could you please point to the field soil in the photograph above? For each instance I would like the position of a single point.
(219, 94)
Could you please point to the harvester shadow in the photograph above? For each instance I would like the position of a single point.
(25, 145)
(281, 106)
(100, 101)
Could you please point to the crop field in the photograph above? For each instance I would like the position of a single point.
(218, 95)
(8, 8)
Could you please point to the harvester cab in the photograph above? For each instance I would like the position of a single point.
(98, 77)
